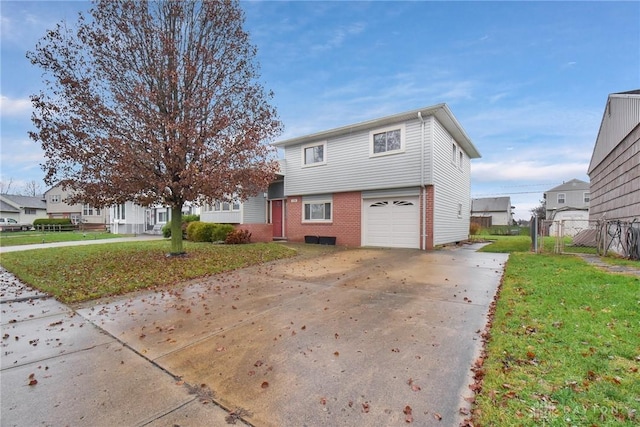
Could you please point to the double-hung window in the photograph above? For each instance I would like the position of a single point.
(561, 198)
(314, 154)
(317, 209)
(388, 140)
(587, 197)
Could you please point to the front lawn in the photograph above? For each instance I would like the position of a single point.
(563, 348)
(80, 273)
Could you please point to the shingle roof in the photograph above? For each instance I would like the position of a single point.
(574, 184)
(6, 207)
(491, 204)
(26, 201)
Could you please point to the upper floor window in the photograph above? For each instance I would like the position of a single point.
(461, 155)
(454, 153)
(387, 141)
(587, 197)
(561, 198)
(314, 154)
(54, 198)
(90, 210)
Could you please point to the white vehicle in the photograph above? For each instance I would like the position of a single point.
(10, 224)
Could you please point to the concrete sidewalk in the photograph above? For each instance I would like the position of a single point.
(138, 238)
(58, 369)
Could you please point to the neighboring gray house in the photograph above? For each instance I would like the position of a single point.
(24, 209)
(490, 211)
(614, 170)
(572, 196)
(397, 181)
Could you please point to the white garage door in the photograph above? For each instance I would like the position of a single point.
(392, 222)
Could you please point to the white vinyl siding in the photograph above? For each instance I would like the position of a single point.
(351, 168)
(452, 190)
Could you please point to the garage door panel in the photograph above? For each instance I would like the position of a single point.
(392, 222)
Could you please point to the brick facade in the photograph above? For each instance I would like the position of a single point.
(345, 227)
(259, 232)
(428, 218)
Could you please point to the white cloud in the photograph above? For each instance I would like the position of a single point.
(528, 171)
(14, 106)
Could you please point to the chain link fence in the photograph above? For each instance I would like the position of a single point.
(601, 237)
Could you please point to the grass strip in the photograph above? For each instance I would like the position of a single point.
(563, 348)
(80, 273)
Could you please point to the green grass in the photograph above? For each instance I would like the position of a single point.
(564, 346)
(17, 238)
(75, 274)
(508, 244)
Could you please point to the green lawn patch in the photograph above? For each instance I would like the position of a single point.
(563, 348)
(17, 238)
(80, 273)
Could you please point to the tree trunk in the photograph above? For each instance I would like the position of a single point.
(176, 230)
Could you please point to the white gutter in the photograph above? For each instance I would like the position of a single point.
(423, 189)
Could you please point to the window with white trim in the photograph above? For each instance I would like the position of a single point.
(90, 210)
(314, 154)
(119, 212)
(317, 211)
(389, 140)
(162, 216)
(454, 152)
(54, 198)
(587, 197)
(30, 211)
(461, 155)
(459, 210)
(561, 198)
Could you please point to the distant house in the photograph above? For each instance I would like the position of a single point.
(614, 170)
(490, 211)
(85, 214)
(24, 209)
(397, 181)
(567, 205)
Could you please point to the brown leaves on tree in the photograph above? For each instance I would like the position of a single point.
(155, 103)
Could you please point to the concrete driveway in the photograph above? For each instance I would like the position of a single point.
(349, 338)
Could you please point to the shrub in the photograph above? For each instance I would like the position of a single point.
(198, 231)
(186, 219)
(220, 232)
(474, 228)
(52, 221)
(237, 237)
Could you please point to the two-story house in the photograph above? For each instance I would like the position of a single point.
(568, 199)
(57, 207)
(567, 206)
(397, 181)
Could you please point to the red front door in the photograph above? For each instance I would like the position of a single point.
(276, 217)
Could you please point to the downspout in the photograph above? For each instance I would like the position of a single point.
(423, 189)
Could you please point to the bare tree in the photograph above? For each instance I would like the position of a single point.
(154, 102)
(5, 186)
(541, 210)
(32, 188)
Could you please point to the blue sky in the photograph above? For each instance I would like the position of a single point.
(528, 81)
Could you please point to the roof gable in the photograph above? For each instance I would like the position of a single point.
(621, 116)
(574, 184)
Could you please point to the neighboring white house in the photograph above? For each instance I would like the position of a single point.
(130, 218)
(24, 209)
(397, 181)
(614, 170)
(490, 211)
